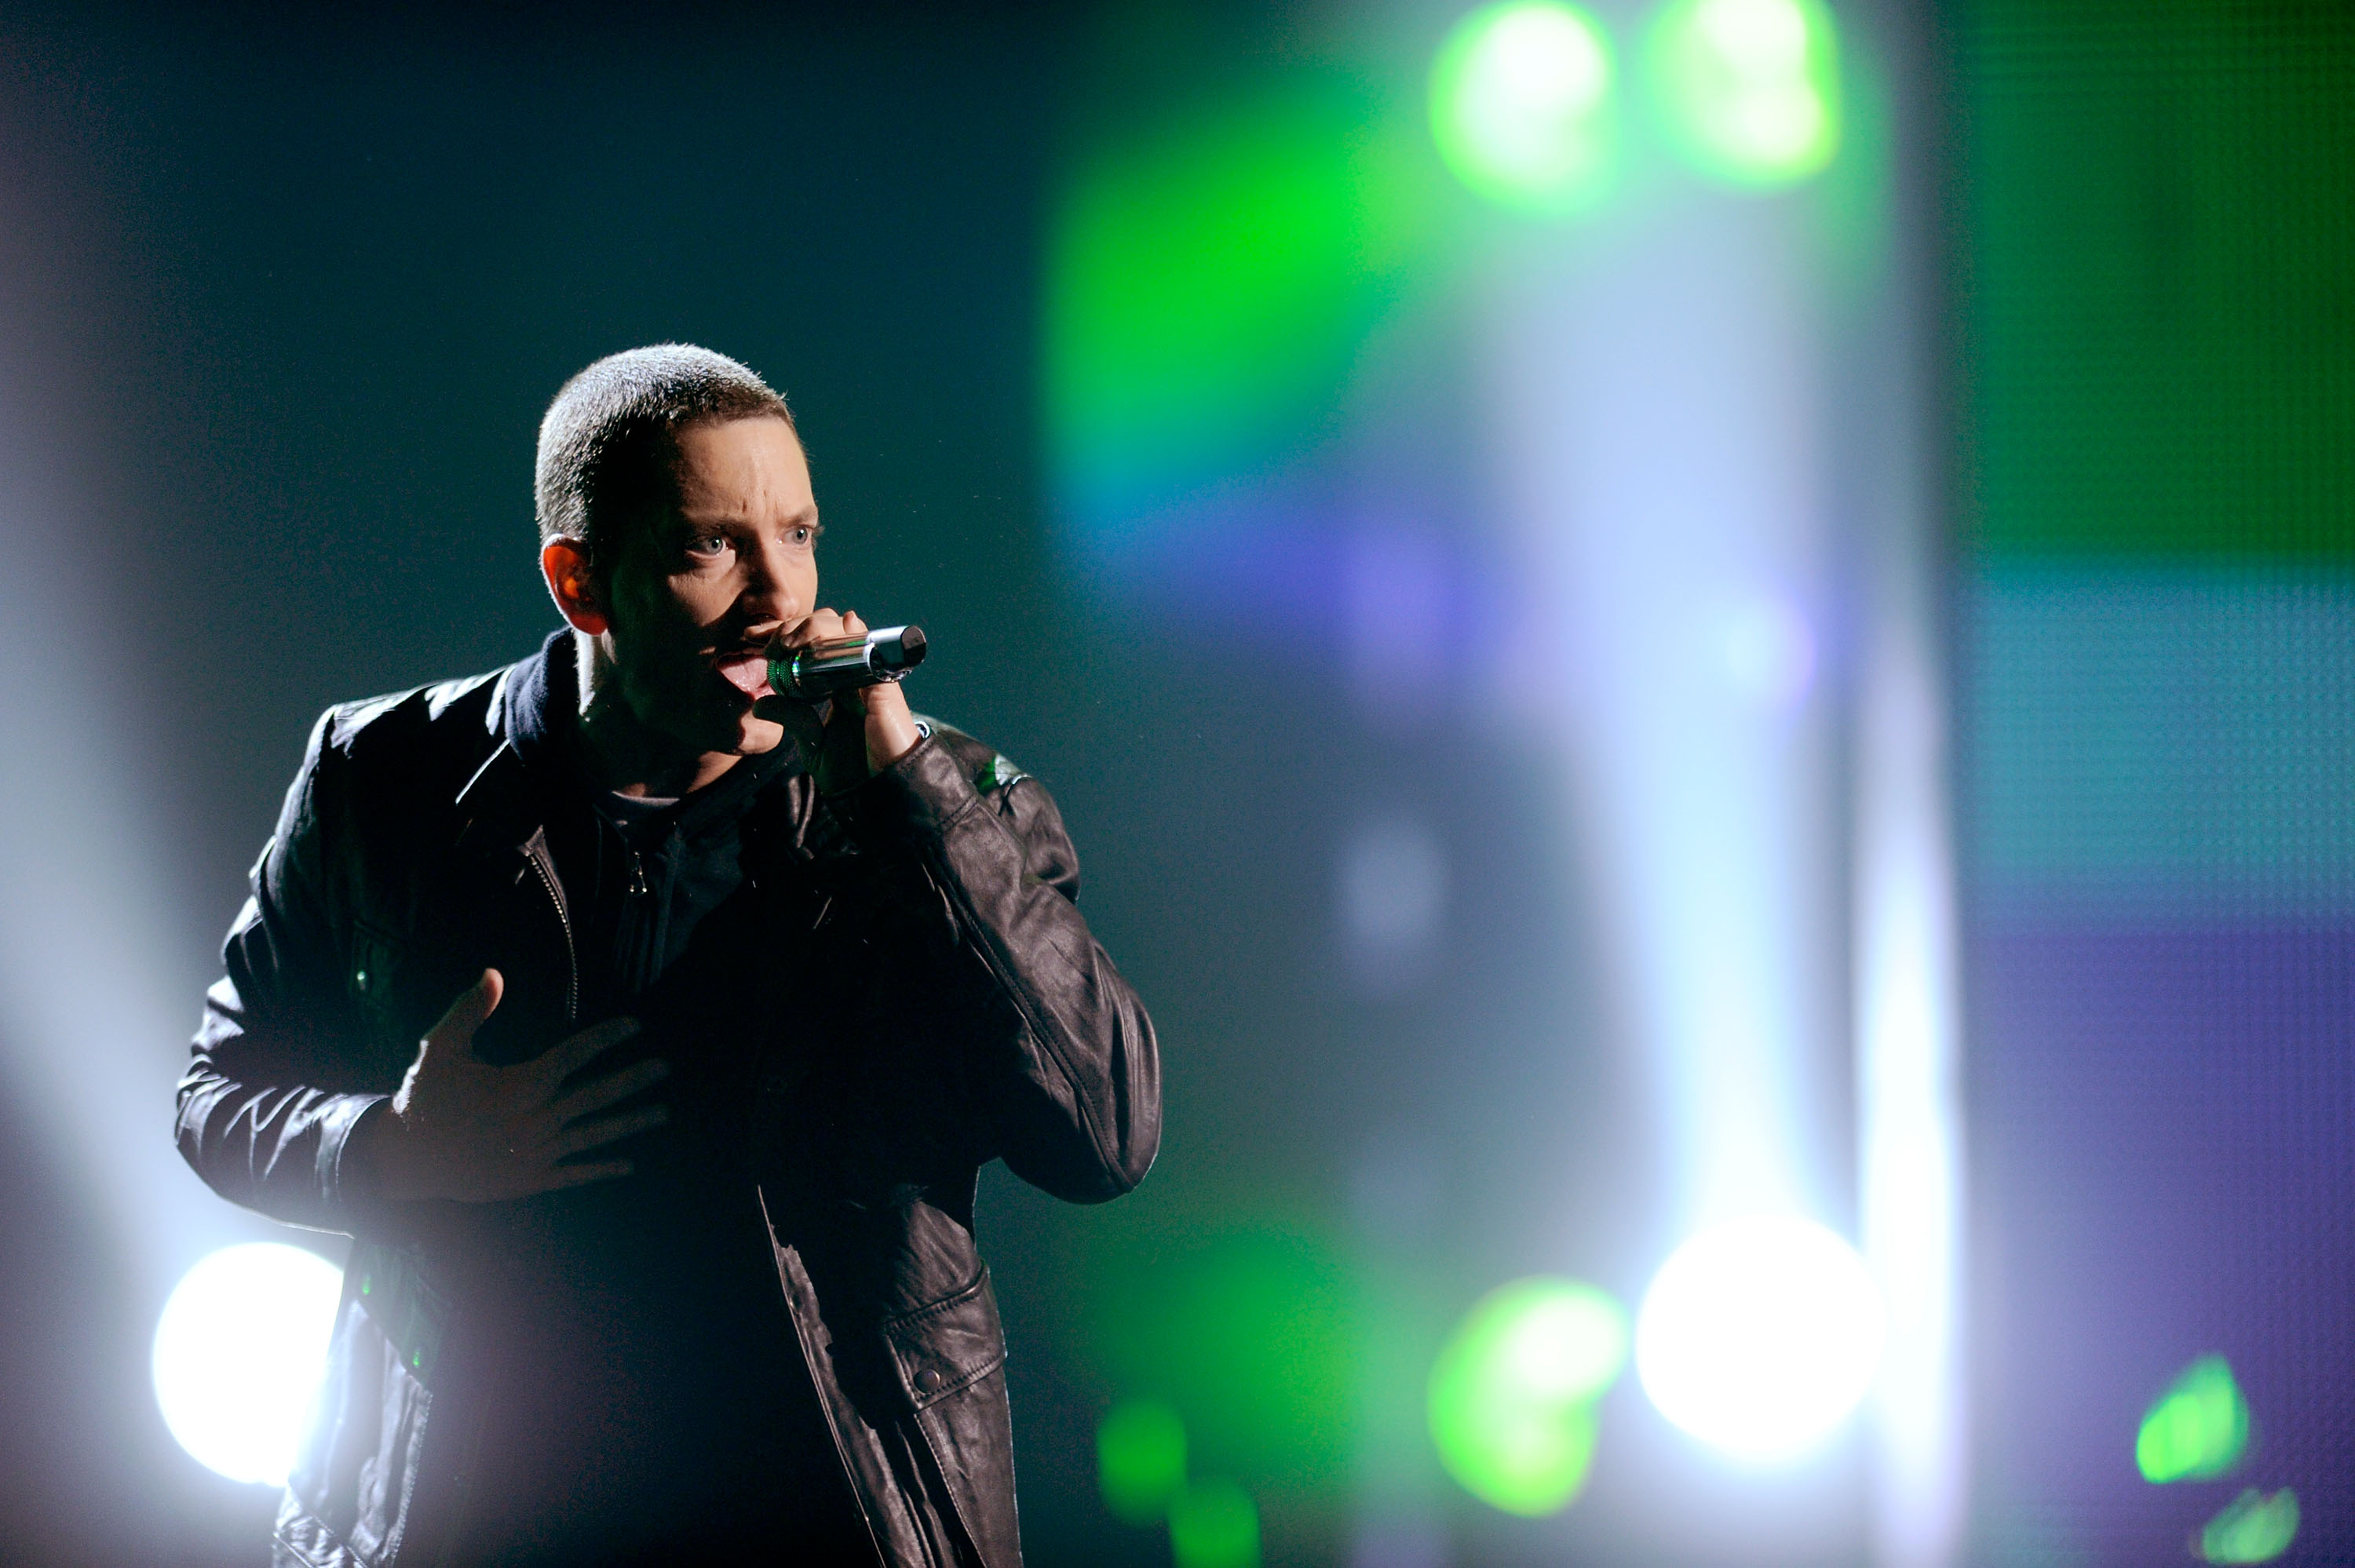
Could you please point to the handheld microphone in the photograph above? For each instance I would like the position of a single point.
(825, 670)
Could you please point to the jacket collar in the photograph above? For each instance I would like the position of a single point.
(501, 810)
(504, 803)
(527, 700)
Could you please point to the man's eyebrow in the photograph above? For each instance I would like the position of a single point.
(805, 518)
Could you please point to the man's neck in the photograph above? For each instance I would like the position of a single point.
(625, 755)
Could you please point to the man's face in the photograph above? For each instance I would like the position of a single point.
(714, 577)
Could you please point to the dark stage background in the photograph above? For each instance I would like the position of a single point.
(283, 295)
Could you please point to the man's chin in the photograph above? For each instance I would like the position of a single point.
(757, 737)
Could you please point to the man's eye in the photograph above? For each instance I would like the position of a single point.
(803, 536)
(710, 547)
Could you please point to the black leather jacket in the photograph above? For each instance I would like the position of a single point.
(946, 1005)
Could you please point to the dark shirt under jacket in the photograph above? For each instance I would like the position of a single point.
(673, 1412)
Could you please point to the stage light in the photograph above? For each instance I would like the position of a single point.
(1253, 1325)
(1749, 87)
(1770, 651)
(237, 1355)
(1141, 1459)
(1760, 1337)
(1521, 105)
(1207, 289)
(2253, 1528)
(1214, 1524)
(1513, 1391)
(2198, 1429)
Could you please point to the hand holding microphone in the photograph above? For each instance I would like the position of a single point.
(818, 671)
(834, 689)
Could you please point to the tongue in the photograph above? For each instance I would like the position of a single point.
(749, 674)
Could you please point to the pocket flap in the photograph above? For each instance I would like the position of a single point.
(948, 1345)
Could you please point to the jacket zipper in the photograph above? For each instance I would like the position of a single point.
(536, 853)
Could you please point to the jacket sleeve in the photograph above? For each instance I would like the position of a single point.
(258, 1119)
(1075, 1093)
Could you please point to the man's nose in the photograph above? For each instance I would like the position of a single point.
(769, 585)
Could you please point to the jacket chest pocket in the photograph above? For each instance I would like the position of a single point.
(374, 976)
(399, 986)
(376, 956)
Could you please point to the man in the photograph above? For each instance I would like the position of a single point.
(661, 1227)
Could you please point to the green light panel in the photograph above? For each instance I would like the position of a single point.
(2160, 350)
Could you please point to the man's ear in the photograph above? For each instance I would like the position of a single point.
(565, 563)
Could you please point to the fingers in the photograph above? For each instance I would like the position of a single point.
(818, 626)
(583, 1136)
(851, 625)
(886, 697)
(568, 1055)
(456, 1026)
(891, 729)
(610, 1090)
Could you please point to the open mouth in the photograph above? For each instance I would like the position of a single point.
(748, 672)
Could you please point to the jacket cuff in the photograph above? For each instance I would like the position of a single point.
(915, 800)
(338, 1121)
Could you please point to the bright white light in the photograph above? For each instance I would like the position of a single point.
(1770, 651)
(1519, 99)
(1760, 1337)
(239, 1353)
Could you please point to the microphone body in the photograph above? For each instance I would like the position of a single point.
(824, 669)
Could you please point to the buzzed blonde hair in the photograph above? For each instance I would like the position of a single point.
(609, 442)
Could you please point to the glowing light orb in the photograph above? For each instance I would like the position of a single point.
(1751, 88)
(1214, 1524)
(2198, 1429)
(1513, 1391)
(2253, 1528)
(1140, 1459)
(1520, 101)
(238, 1352)
(1760, 1337)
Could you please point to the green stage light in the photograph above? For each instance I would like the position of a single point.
(2253, 1528)
(1141, 1459)
(1749, 89)
(2199, 1428)
(1513, 1391)
(1214, 1524)
(1256, 1333)
(1520, 106)
(1207, 289)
